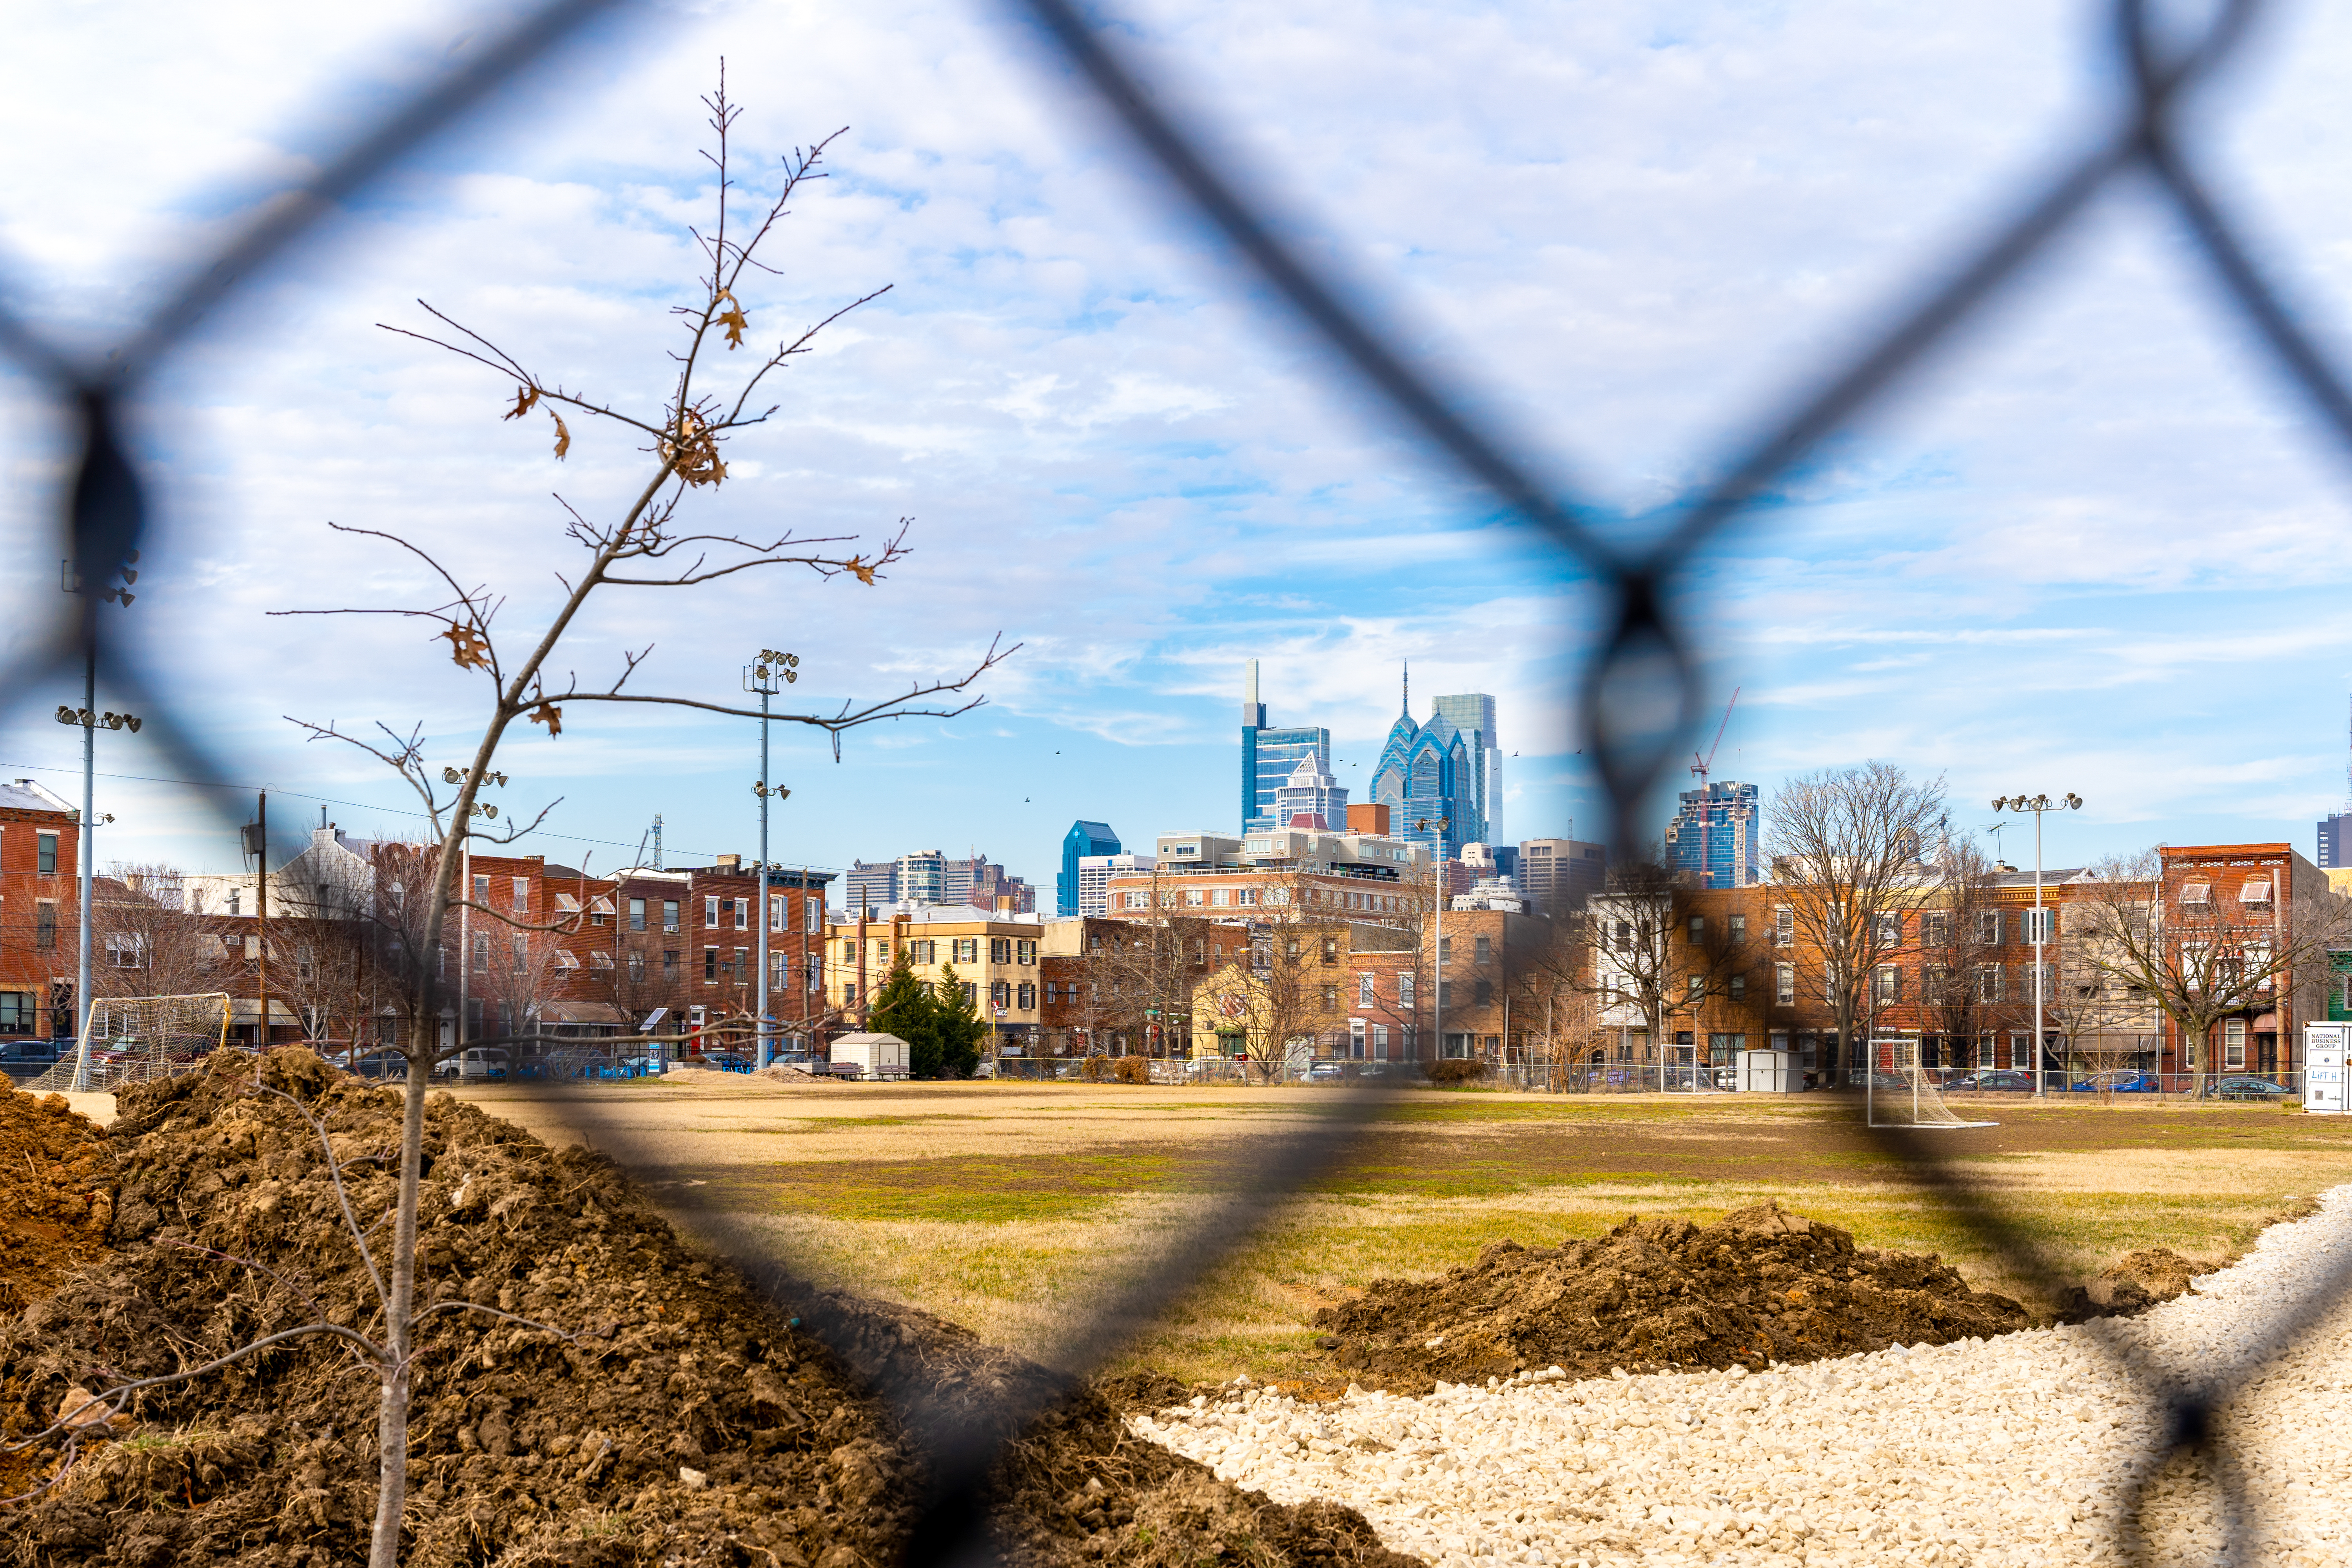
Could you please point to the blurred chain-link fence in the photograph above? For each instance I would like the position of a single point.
(1638, 694)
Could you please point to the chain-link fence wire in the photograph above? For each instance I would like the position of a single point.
(1638, 695)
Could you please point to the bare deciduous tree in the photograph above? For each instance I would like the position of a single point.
(1845, 846)
(643, 540)
(2172, 939)
(1962, 995)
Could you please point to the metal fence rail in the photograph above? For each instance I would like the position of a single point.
(1631, 734)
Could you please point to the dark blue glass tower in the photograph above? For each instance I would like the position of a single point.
(1084, 838)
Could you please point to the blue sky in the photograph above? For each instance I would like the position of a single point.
(2092, 548)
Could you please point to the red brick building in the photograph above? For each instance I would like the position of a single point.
(39, 911)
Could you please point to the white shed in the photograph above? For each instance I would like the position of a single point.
(1768, 1072)
(873, 1055)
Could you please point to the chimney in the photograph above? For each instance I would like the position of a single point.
(729, 863)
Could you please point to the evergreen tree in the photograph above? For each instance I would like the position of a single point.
(904, 1008)
(957, 1029)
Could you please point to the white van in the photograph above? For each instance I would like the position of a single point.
(482, 1061)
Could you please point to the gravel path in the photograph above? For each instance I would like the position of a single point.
(2012, 1451)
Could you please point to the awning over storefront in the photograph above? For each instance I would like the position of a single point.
(603, 1013)
(2266, 1024)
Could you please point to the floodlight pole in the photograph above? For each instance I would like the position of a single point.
(772, 672)
(2037, 805)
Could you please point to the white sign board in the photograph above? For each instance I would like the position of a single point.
(2323, 1067)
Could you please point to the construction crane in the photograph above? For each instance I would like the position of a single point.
(1702, 766)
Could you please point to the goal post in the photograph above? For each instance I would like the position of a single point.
(1897, 1092)
(135, 1040)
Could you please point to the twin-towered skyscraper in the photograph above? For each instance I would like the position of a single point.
(1442, 779)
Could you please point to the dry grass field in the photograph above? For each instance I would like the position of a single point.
(1007, 1206)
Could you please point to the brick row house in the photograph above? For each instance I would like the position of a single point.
(998, 960)
(1729, 969)
(40, 912)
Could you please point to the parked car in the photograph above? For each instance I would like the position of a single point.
(1326, 1071)
(1998, 1080)
(2120, 1083)
(483, 1061)
(2241, 1087)
(382, 1065)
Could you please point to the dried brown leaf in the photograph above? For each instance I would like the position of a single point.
(549, 714)
(562, 437)
(468, 648)
(732, 319)
(864, 573)
(525, 399)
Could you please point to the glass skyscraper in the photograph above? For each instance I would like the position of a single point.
(1270, 756)
(1084, 838)
(1714, 836)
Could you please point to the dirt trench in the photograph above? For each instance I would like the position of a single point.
(666, 1414)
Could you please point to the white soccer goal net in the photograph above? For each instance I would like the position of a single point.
(135, 1040)
(1899, 1091)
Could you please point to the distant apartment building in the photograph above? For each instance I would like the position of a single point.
(996, 959)
(931, 877)
(1363, 875)
(1084, 840)
(2336, 842)
(1310, 797)
(1270, 755)
(1095, 872)
(39, 911)
(1558, 875)
(1715, 836)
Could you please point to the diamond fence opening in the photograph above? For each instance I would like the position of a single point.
(1631, 731)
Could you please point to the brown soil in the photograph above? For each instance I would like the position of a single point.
(1762, 1285)
(675, 1416)
(2137, 1281)
(56, 1193)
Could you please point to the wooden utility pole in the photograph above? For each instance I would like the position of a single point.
(261, 917)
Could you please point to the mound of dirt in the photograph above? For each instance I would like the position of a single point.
(1760, 1285)
(2133, 1283)
(672, 1415)
(56, 1193)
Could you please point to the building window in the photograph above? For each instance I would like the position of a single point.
(1784, 926)
(742, 969)
(1885, 983)
(1245, 897)
(816, 974)
(1380, 1041)
(816, 917)
(1735, 928)
(2233, 1043)
(1024, 951)
(636, 914)
(522, 895)
(482, 890)
(669, 963)
(1363, 990)
(1138, 900)
(520, 950)
(1989, 986)
(1000, 994)
(124, 951)
(1784, 985)
(1331, 949)
(1194, 898)
(46, 863)
(1445, 950)
(710, 912)
(1698, 929)
(710, 963)
(926, 951)
(1890, 929)
(2038, 925)
(1405, 988)
(1935, 928)
(1739, 988)
(481, 953)
(1482, 994)
(780, 916)
(1000, 950)
(881, 952)
(1988, 928)
(1482, 950)
(1694, 988)
(1028, 996)
(636, 965)
(1331, 996)
(971, 989)
(669, 914)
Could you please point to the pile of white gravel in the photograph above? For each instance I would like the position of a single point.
(2015, 1450)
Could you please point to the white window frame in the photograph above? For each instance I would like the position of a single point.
(1784, 982)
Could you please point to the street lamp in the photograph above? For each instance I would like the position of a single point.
(2037, 805)
(769, 676)
(90, 718)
